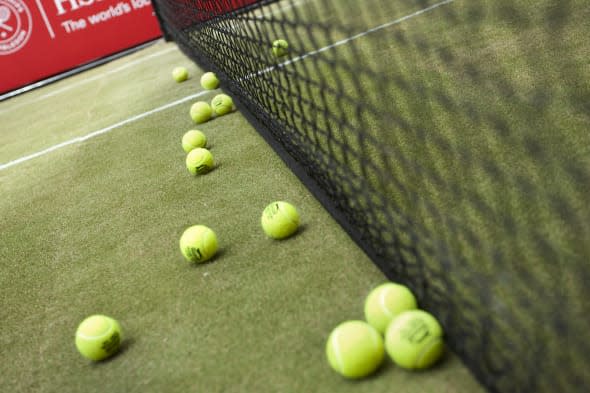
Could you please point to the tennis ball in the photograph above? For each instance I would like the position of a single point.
(193, 139)
(280, 48)
(209, 81)
(222, 104)
(355, 349)
(98, 337)
(198, 243)
(180, 74)
(199, 161)
(414, 340)
(280, 220)
(200, 112)
(385, 302)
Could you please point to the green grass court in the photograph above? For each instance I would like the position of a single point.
(91, 225)
(93, 228)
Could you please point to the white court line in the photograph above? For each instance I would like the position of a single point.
(347, 40)
(131, 64)
(99, 132)
(170, 105)
(84, 81)
(115, 70)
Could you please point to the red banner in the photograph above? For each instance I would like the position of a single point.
(41, 38)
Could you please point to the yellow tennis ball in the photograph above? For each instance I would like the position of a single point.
(280, 48)
(209, 81)
(385, 302)
(98, 337)
(180, 74)
(193, 139)
(222, 104)
(199, 161)
(198, 243)
(280, 220)
(355, 349)
(200, 112)
(414, 340)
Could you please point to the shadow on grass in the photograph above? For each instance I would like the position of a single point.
(125, 345)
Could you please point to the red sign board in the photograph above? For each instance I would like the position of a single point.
(41, 38)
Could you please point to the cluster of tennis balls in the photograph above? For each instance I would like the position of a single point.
(221, 104)
(99, 336)
(412, 338)
(280, 48)
(202, 111)
(199, 159)
(198, 243)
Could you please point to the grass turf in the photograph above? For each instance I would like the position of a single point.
(93, 228)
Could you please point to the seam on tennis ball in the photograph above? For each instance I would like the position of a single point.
(109, 330)
(289, 218)
(425, 350)
(336, 349)
(382, 305)
(286, 214)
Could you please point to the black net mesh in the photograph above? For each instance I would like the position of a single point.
(450, 139)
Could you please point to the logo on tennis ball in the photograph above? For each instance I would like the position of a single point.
(416, 331)
(271, 210)
(279, 220)
(195, 253)
(414, 340)
(202, 169)
(15, 26)
(198, 243)
(112, 344)
(199, 161)
(222, 104)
